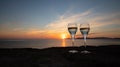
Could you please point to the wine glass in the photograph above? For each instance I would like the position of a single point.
(84, 29)
(72, 28)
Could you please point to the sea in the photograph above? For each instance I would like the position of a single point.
(47, 43)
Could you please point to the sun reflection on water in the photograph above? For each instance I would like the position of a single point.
(63, 43)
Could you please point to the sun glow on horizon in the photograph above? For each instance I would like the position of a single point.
(63, 36)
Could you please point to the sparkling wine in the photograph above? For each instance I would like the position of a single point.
(72, 30)
(85, 31)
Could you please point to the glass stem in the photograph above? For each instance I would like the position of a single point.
(85, 41)
(73, 39)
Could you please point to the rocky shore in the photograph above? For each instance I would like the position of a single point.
(101, 56)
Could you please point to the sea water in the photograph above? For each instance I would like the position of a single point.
(46, 43)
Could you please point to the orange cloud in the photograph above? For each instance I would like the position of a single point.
(57, 27)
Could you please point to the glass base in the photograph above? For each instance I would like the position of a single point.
(73, 51)
(85, 52)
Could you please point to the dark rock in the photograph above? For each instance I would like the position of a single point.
(108, 56)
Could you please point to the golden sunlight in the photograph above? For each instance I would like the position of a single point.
(63, 36)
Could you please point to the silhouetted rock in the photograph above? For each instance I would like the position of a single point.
(108, 56)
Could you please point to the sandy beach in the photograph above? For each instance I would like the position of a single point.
(107, 56)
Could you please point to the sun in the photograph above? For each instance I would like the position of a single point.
(63, 36)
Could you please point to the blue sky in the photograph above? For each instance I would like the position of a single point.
(44, 18)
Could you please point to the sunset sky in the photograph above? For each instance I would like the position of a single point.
(43, 19)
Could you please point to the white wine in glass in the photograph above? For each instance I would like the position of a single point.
(72, 28)
(84, 29)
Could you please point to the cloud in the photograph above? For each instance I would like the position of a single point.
(37, 33)
(61, 23)
(97, 21)
(34, 32)
(105, 19)
(57, 27)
